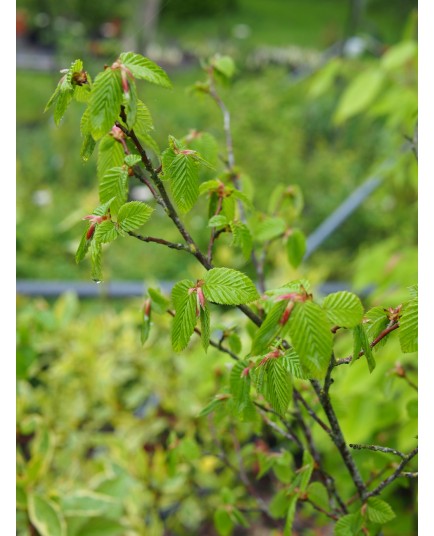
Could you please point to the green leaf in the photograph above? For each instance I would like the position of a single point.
(159, 302)
(85, 503)
(183, 173)
(229, 287)
(208, 186)
(145, 329)
(143, 122)
(311, 337)
(240, 386)
(277, 387)
(305, 471)
(224, 65)
(359, 94)
(205, 327)
(45, 516)
(218, 221)
(242, 237)
(291, 361)
(349, 525)
(130, 104)
(278, 505)
(361, 342)
(290, 516)
(223, 522)
(96, 259)
(145, 69)
(398, 55)
(408, 327)
(134, 214)
(269, 229)
(317, 493)
(216, 403)
(114, 184)
(132, 159)
(83, 247)
(100, 526)
(110, 155)
(185, 318)
(379, 511)
(269, 329)
(105, 232)
(343, 309)
(296, 247)
(105, 102)
(235, 343)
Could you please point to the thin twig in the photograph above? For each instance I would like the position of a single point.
(378, 448)
(161, 241)
(311, 412)
(393, 476)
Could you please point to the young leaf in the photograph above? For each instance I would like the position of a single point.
(218, 221)
(145, 69)
(83, 247)
(143, 122)
(290, 516)
(105, 102)
(291, 361)
(132, 215)
(114, 184)
(45, 516)
(408, 330)
(223, 522)
(349, 525)
(183, 173)
(229, 287)
(95, 257)
(296, 247)
(132, 159)
(110, 155)
(240, 386)
(184, 321)
(269, 229)
(242, 237)
(269, 329)
(205, 328)
(105, 232)
(311, 337)
(277, 387)
(145, 329)
(159, 302)
(130, 104)
(361, 342)
(224, 65)
(379, 511)
(343, 309)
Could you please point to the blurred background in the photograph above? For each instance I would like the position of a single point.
(324, 98)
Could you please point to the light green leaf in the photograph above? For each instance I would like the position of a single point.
(185, 318)
(376, 321)
(349, 525)
(290, 515)
(359, 94)
(45, 516)
(218, 221)
(208, 185)
(145, 69)
(132, 159)
(379, 511)
(183, 173)
(242, 237)
(110, 155)
(305, 471)
(361, 342)
(235, 343)
(100, 526)
(134, 214)
(205, 328)
(105, 102)
(229, 287)
(114, 184)
(240, 387)
(143, 122)
(398, 55)
(269, 229)
(223, 522)
(145, 329)
(83, 247)
(105, 232)
(224, 65)
(96, 260)
(408, 328)
(296, 247)
(291, 361)
(85, 503)
(269, 329)
(343, 309)
(277, 387)
(159, 302)
(311, 337)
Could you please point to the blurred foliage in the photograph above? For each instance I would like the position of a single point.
(108, 432)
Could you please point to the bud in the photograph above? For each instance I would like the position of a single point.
(90, 231)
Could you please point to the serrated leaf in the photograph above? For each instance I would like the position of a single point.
(241, 196)
(379, 511)
(110, 155)
(148, 141)
(45, 516)
(205, 328)
(87, 147)
(242, 237)
(361, 342)
(185, 318)
(208, 186)
(159, 302)
(240, 386)
(114, 184)
(408, 327)
(311, 337)
(105, 102)
(103, 209)
(269, 329)
(132, 159)
(129, 101)
(343, 309)
(229, 287)
(83, 247)
(277, 387)
(349, 525)
(96, 260)
(143, 122)
(359, 94)
(295, 247)
(133, 215)
(145, 69)
(183, 173)
(291, 361)
(105, 232)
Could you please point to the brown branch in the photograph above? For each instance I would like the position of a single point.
(171, 245)
(311, 412)
(377, 448)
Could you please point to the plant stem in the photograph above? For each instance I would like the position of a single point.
(387, 450)
(161, 241)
